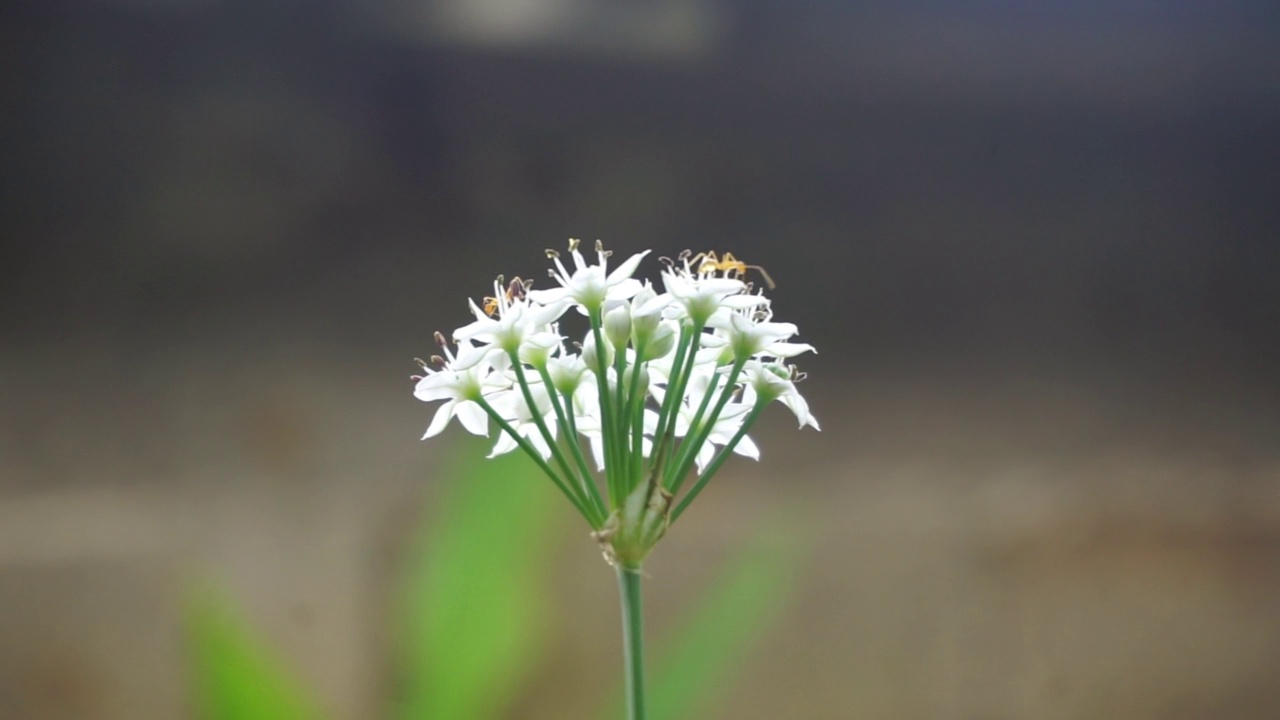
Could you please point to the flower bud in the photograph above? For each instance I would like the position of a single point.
(660, 345)
(617, 326)
(566, 372)
(590, 357)
(629, 374)
(535, 351)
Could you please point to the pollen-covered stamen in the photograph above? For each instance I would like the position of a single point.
(517, 289)
(438, 362)
(574, 243)
(559, 273)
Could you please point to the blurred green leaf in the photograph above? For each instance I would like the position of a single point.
(235, 675)
(475, 604)
(716, 635)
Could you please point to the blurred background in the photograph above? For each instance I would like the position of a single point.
(1036, 244)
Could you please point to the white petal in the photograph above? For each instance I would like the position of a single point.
(800, 407)
(655, 305)
(440, 386)
(482, 329)
(738, 302)
(624, 289)
(786, 350)
(597, 452)
(549, 296)
(627, 268)
(473, 418)
(440, 420)
(747, 448)
(705, 454)
(504, 445)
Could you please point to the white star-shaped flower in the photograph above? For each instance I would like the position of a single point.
(513, 323)
(460, 389)
(724, 427)
(590, 286)
(774, 382)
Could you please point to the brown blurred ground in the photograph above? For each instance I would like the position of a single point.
(1036, 249)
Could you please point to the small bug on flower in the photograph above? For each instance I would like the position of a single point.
(729, 265)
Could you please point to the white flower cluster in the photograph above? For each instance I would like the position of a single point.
(660, 384)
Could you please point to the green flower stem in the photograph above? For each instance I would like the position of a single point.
(633, 640)
(695, 427)
(723, 455)
(587, 511)
(682, 469)
(620, 423)
(537, 417)
(681, 349)
(635, 417)
(675, 389)
(569, 432)
(611, 470)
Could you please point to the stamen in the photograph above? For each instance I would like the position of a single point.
(552, 254)
(439, 337)
(437, 361)
(574, 243)
(421, 363)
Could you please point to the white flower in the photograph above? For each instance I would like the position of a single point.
(460, 388)
(622, 383)
(566, 371)
(514, 322)
(513, 408)
(698, 297)
(758, 335)
(724, 427)
(771, 382)
(588, 285)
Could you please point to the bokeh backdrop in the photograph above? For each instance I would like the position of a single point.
(1036, 244)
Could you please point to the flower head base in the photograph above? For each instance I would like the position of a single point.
(664, 387)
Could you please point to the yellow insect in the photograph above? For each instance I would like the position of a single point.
(729, 265)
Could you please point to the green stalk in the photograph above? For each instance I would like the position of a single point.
(569, 432)
(686, 461)
(620, 421)
(616, 496)
(675, 391)
(633, 640)
(719, 459)
(537, 416)
(695, 427)
(676, 366)
(635, 420)
(587, 512)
